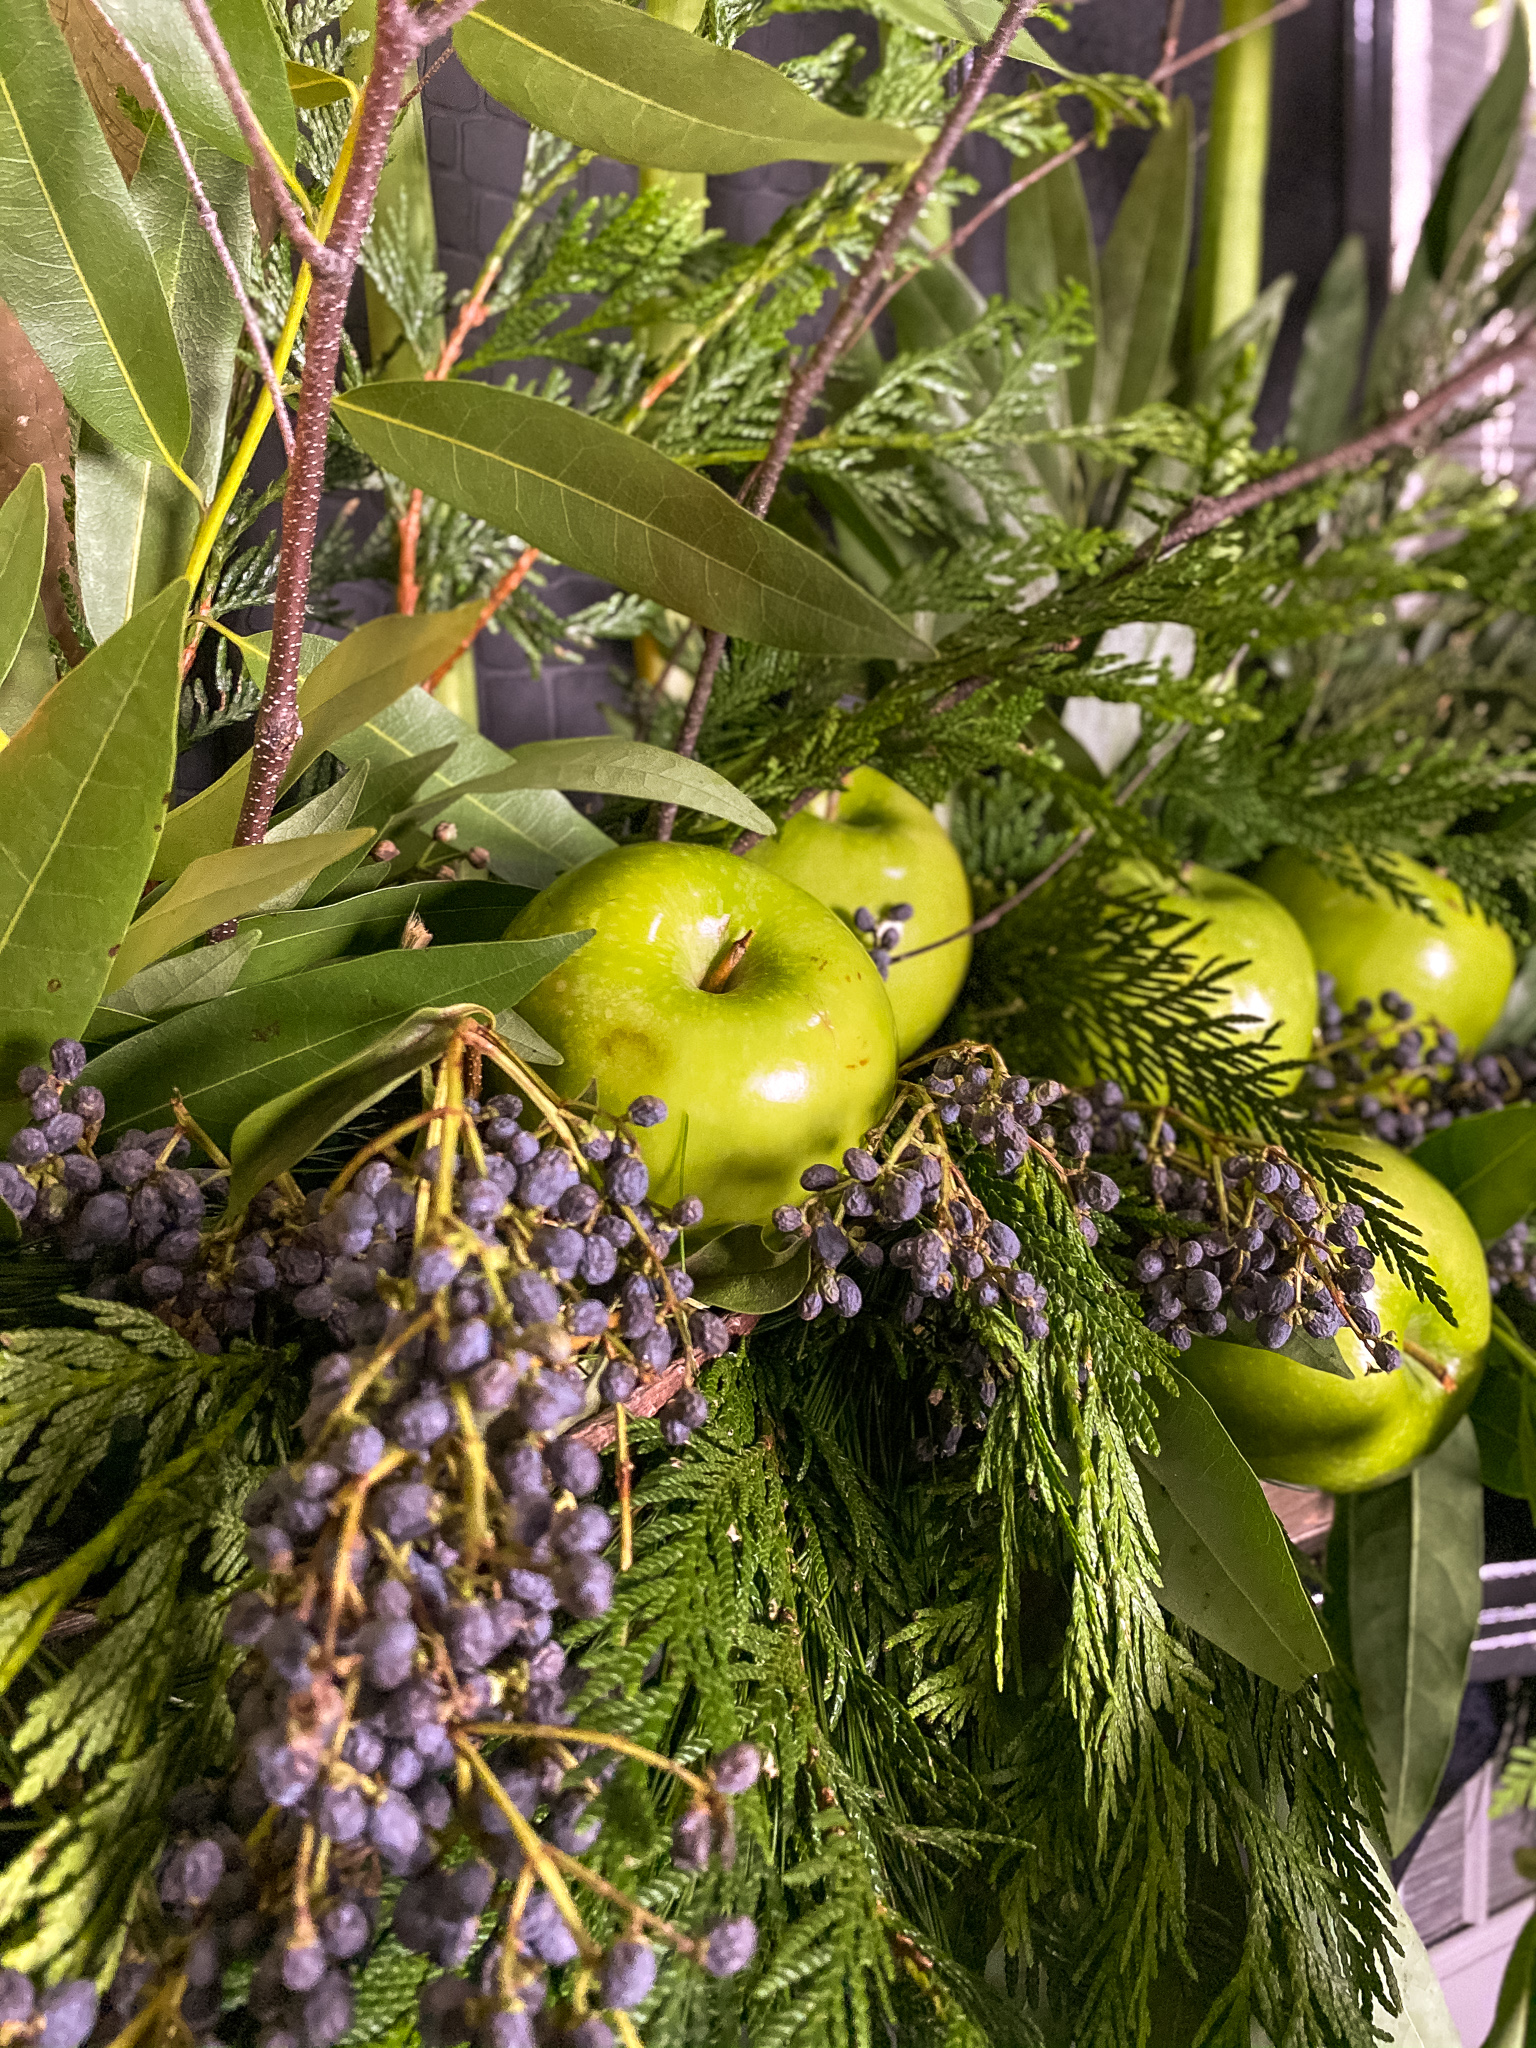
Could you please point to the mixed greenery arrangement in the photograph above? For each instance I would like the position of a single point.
(646, 1422)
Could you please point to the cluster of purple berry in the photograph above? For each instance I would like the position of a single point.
(911, 1208)
(60, 2017)
(1511, 1263)
(882, 934)
(1388, 1076)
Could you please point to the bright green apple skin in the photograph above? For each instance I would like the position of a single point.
(789, 1064)
(882, 848)
(1278, 985)
(1457, 971)
(1312, 1428)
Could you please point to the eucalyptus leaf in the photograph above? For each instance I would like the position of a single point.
(1489, 1164)
(308, 87)
(616, 768)
(624, 84)
(79, 275)
(1142, 272)
(391, 790)
(603, 501)
(1321, 1354)
(357, 678)
(176, 984)
(331, 811)
(744, 1273)
(456, 913)
(531, 835)
(227, 1058)
(527, 1042)
(276, 1135)
(1404, 1590)
(82, 793)
(226, 885)
(1332, 346)
(23, 544)
(1226, 1568)
(134, 521)
(163, 37)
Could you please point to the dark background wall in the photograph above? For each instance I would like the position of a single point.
(1329, 172)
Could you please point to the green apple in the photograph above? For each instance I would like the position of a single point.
(872, 844)
(1457, 972)
(1275, 985)
(768, 1064)
(1313, 1428)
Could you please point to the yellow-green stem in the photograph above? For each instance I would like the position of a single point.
(1231, 264)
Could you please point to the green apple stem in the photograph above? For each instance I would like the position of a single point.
(1446, 1378)
(718, 979)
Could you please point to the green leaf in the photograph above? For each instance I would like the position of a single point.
(228, 1057)
(391, 790)
(1227, 1570)
(329, 812)
(161, 34)
(456, 913)
(1425, 2020)
(23, 544)
(527, 1042)
(616, 768)
(1050, 246)
(170, 985)
(1404, 1564)
(1332, 344)
(531, 835)
(1489, 1164)
(1511, 2013)
(82, 793)
(78, 273)
(358, 677)
(308, 87)
(278, 1134)
(225, 885)
(968, 21)
(744, 1273)
(1213, 375)
(1142, 272)
(31, 674)
(134, 521)
(614, 80)
(602, 501)
(1496, 1416)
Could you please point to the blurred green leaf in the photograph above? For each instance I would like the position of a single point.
(357, 677)
(1332, 345)
(228, 1057)
(31, 674)
(160, 32)
(308, 87)
(78, 272)
(1404, 1590)
(169, 985)
(1142, 272)
(1511, 2014)
(82, 793)
(1220, 372)
(1503, 1391)
(456, 913)
(224, 885)
(966, 21)
(531, 835)
(1227, 1570)
(23, 543)
(1489, 1164)
(1051, 246)
(603, 501)
(617, 81)
(743, 1273)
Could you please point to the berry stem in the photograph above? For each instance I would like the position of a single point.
(538, 1852)
(596, 1738)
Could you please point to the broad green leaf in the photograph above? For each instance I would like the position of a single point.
(456, 914)
(134, 521)
(937, 305)
(1332, 343)
(619, 82)
(531, 835)
(1512, 2013)
(1404, 1589)
(78, 273)
(391, 790)
(616, 768)
(278, 1134)
(966, 21)
(745, 1274)
(31, 675)
(1489, 1164)
(170, 985)
(357, 678)
(82, 792)
(527, 1042)
(1219, 373)
(23, 543)
(1142, 272)
(1050, 246)
(331, 811)
(1425, 2020)
(160, 32)
(1226, 1568)
(220, 886)
(308, 87)
(1495, 1415)
(228, 1057)
(600, 500)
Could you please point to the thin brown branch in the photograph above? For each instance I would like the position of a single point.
(745, 841)
(1401, 431)
(1173, 28)
(693, 717)
(487, 612)
(215, 234)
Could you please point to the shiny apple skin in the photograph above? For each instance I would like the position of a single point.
(1457, 972)
(789, 1064)
(885, 847)
(1312, 1428)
